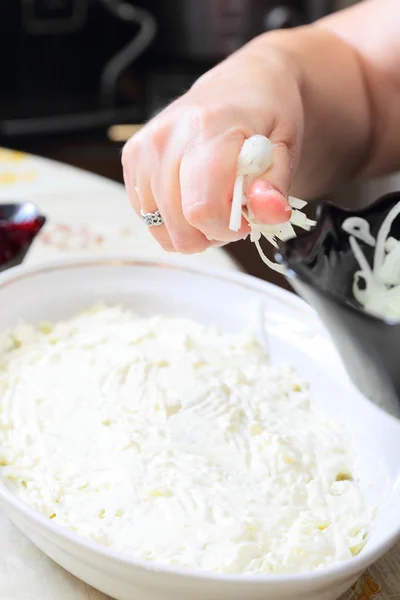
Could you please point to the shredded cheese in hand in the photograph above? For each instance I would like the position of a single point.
(376, 288)
(254, 159)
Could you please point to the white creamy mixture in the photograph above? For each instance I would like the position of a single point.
(163, 439)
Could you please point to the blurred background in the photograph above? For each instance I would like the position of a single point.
(79, 76)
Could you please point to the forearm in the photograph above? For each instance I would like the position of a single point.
(336, 111)
(372, 30)
(347, 75)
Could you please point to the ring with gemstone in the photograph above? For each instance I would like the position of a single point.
(152, 219)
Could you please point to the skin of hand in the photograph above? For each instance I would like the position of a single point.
(327, 99)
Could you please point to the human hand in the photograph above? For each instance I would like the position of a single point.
(183, 162)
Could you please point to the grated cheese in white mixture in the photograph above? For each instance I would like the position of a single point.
(163, 439)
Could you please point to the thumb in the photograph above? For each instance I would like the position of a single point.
(267, 195)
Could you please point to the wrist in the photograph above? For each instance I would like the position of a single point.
(278, 48)
(335, 105)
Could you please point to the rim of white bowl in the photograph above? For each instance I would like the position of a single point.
(323, 575)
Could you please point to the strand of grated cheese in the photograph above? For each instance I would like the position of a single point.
(254, 159)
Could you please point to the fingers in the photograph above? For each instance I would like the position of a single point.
(186, 169)
(137, 183)
(157, 188)
(165, 185)
(207, 176)
(147, 204)
(268, 205)
(268, 194)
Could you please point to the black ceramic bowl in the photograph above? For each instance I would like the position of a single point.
(321, 267)
(19, 225)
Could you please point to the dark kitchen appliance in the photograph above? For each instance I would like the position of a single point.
(75, 65)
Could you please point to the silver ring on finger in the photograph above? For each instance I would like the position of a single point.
(152, 219)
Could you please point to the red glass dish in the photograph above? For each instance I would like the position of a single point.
(19, 225)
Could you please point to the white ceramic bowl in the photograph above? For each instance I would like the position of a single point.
(59, 289)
